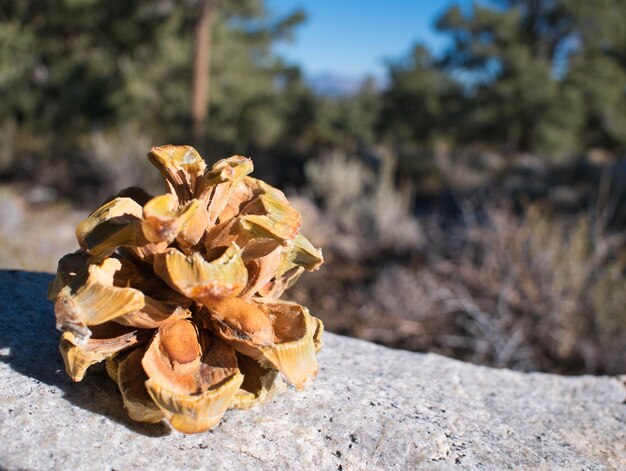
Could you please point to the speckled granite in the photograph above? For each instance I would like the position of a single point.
(371, 408)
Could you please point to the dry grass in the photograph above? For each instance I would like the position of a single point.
(530, 291)
(523, 292)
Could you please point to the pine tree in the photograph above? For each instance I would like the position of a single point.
(513, 63)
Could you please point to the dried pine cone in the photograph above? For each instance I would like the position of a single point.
(179, 293)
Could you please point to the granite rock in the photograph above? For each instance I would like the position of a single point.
(371, 408)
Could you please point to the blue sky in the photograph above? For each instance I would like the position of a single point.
(353, 38)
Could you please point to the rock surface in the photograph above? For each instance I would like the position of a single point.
(371, 408)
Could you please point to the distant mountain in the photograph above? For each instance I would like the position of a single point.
(336, 85)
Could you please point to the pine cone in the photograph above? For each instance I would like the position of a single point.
(179, 293)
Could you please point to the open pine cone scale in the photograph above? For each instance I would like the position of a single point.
(179, 293)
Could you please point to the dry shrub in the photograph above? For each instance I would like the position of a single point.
(530, 291)
(119, 154)
(365, 210)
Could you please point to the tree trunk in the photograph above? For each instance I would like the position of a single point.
(202, 68)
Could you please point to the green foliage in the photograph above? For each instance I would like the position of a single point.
(546, 77)
(541, 76)
(67, 67)
(73, 59)
(509, 61)
(598, 70)
(420, 100)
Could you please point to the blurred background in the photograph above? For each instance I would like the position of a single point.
(461, 163)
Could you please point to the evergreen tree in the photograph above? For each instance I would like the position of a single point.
(421, 101)
(512, 62)
(69, 66)
(598, 70)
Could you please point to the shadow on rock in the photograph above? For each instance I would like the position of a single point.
(28, 330)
